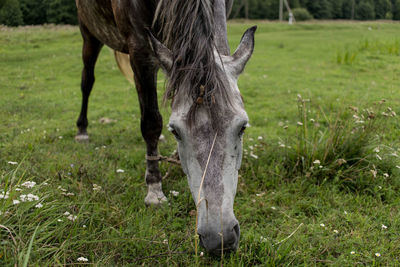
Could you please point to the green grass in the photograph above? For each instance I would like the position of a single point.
(291, 211)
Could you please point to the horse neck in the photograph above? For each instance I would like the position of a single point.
(221, 39)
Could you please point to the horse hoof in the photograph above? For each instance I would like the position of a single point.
(155, 195)
(82, 138)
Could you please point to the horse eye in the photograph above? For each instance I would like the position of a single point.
(175, 133)
(241, 132)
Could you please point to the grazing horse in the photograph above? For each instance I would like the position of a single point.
(187, 39)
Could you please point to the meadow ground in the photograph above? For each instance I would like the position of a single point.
(319, 183)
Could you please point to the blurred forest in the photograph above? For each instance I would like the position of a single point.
(32, 12)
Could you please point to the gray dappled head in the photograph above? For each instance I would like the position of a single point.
(217, 115)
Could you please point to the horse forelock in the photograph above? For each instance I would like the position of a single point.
(187, 28)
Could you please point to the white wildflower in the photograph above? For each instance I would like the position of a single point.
(84, 226)
(252, 155)
(29, 184)
(59, 220)
(4, 195)
(39, 205)
(263, 239)
(345, 212)
(165, 241)
(66, 213)
(16, 201)
(68, 194)
(386, 175)
(317, 162)
(120, 171)
(384, 226)
(273, 208)
(322, 225)
(83, 259)
(12, 162)
(352, 252)
(378, 254)
(72, 217)
(174, 193)
(201, 254)
(60, 137)
(28, 198)
(299, 123)
(96, 187)
(260, 138)
(260, 194)
(18, 189)
(251, 147)
(336, 231)
(377, 150)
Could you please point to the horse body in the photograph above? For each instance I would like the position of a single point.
(208, 116)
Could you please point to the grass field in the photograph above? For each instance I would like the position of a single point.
(319, 183)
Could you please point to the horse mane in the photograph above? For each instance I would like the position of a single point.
(187, 28)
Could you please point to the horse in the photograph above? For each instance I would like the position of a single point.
(188, 41)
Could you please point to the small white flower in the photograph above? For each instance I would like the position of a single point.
(60, 137)
(72, 217)
(260, 138)
(18, 189)
(336, 231)
(165, 241)
(253, 156)
(386, 175)
(380, 187)
(352, 252)
(28, 184)
(317, 162)
(273, 208)
(59, 220)
(12, 162)
(263, 239)
(201, 254)
(378, 254)
(322, 225)
(66, 213)
(4, 195)
(39, 205)
(68, 194)
(260, 194)
(16, 201)
(299, 123)
(96, 187)
(251, 147)
(84, 226)
(83, 259)
(384, 226)
(120, 171)
(345, 212)
(174, 193)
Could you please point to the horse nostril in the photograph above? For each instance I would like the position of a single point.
(236, 230)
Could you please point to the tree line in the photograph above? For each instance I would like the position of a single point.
(33, 12)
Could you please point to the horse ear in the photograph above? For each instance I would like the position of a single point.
(243, 52)
(162, 53)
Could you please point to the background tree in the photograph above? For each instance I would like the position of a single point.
(365, 11)
(10, 13)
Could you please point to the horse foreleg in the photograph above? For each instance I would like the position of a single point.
(145, 75)
(90, 51)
